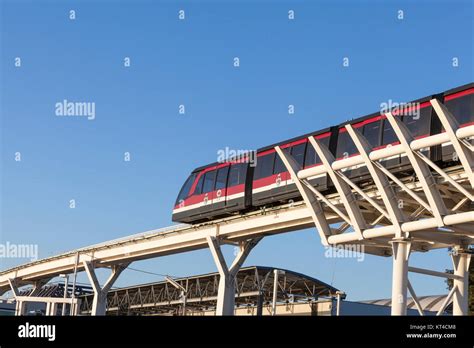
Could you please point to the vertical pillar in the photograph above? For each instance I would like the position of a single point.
(183, 296)
(461, 261)
(75, 307)
(226, 295)
(260, 303)
(20, 308)
(401, 254)
(339, 296)
(275, 291)
(226, 290)
(66, 284)
(99, 303)
(53, 309)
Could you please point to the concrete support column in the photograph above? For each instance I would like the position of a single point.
(461, 262)
(20, 306)
(226, 295)
(401, 253)
(226, 291)
(99, 304)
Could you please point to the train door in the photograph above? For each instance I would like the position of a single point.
(220, 189)
(204, 191)
(263, 178)
(236, 188)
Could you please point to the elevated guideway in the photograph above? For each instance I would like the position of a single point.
(390, 216)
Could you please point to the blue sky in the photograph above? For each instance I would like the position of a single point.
(190, 62)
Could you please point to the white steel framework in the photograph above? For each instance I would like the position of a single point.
(438, 210)
(390, 216)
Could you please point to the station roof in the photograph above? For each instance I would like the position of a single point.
(164, 298)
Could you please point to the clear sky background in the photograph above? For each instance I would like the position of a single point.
(190, 62)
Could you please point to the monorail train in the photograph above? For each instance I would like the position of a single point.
(222, 189)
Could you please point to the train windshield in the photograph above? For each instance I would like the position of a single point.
(186, 188)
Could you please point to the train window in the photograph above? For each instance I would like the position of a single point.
(279, 166)
(311, 156)
(237, 174)
(221, 180)
(371, 132)
(388, 135)
(345, 145)
(297, 152)
(264, 166)
(462, 108)
(209, 179)
(186, 188)
(418, 123)
(198, 188)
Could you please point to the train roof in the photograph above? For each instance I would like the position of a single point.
(352, 121)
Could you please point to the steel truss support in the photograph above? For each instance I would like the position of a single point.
(226, 291)
(99, 304)
(386, 191)
(401, 253)
(309, 197)
(421, 169)
(461, 260)
(183, 293)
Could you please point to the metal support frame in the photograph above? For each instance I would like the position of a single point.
(434, 210)
(66, 284)
(386, 191)
(183, 293)
(226, 293)
(343, 188)
(461, 260)
(276, 272)
(401, 253)
(459, 291)
(415, 298)
(20, 308)
(317, 212)
(99, 305)
(421, 169)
